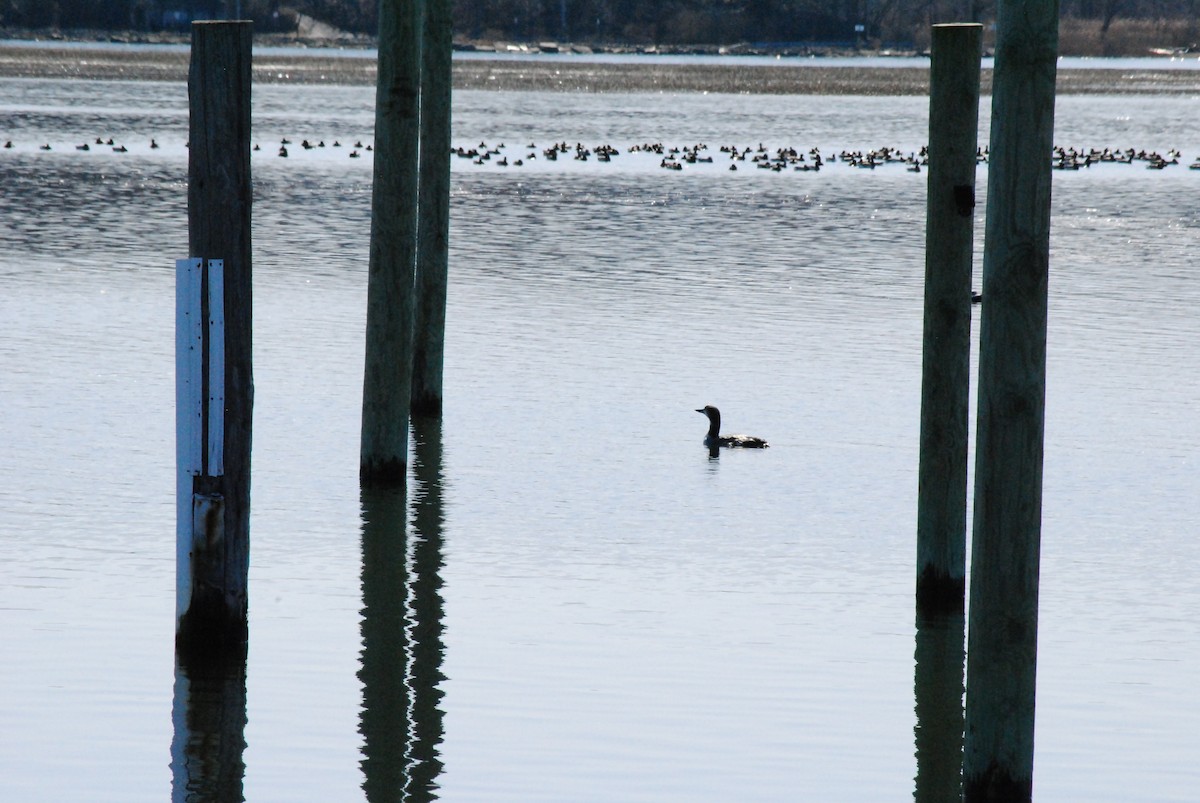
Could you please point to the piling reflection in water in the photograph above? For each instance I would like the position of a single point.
(427, 601)
(401, 720)
(938, 687)
(209, 715)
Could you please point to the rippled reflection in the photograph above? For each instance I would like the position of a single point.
(401, 720)
(210, 724)
(940, 653)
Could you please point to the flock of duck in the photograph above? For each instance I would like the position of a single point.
(305, 144)
(99, 143)
(679, 157)
(1073, 159)
(784, 158)
(781, 159)
(675, 157)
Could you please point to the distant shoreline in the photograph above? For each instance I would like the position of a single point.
(170, 64)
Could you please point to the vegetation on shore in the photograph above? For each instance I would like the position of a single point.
(1088, 27)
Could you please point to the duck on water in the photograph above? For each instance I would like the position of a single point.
(715, 439)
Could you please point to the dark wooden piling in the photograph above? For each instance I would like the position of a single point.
(946, 364)
(433, 227)
(211, 620)
(387, 378)
(1006, 534)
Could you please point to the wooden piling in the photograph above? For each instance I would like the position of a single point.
(949, 233)
(214, 486)
(387, 378)
(433, 226)
(1006, 534)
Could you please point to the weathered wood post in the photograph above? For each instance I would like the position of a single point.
(946, 364)
(215, 383)
(434, 220)
(1006, 535)
(387, 378)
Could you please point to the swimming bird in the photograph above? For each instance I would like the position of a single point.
(714, 438)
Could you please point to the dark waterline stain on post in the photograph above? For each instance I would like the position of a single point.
(939, 593)
(383, 472)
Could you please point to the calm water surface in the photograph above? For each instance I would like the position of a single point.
(621, 618)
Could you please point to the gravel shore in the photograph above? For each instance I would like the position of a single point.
(570, 75)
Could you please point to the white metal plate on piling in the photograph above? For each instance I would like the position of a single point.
(216, 367)
(189, 411)
(189, 361)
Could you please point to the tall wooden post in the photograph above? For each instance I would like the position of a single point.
(387, 379)
(434, 220)
(214, 450)
(946, 365)
(1006, 536)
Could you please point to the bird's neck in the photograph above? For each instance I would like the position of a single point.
(714, 426)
